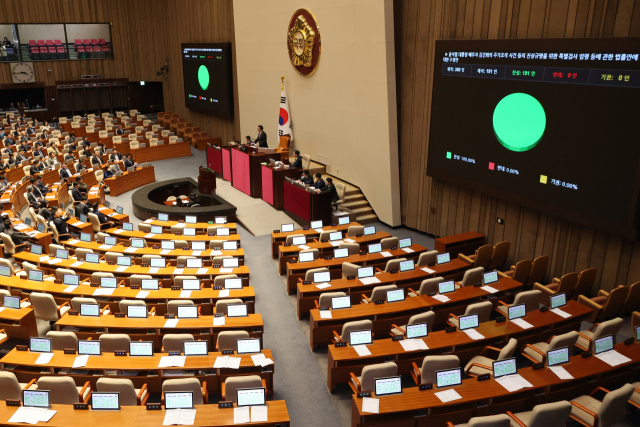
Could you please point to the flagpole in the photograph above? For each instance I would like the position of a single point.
(282, 77)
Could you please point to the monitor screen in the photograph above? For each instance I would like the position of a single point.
(110, 241)
(446, 287)
(637, 333)
(335, 236)
(127, 226)
(417, 330)
(229, 245)
(299, 240)
(364, 272)
(137, 311)
(163, 217)
(191, 284)
(360, 337)
(178, 400)
(233, 283)
(35, 275)
(603, 344)
(558, 356)
(407, 265)
(123, 261)
(237, 310)
(187, 312)
(90, 347)
(195, 348)
(558, 300)
(149, 284)
(251, 397)
(221, 220)
(41, 228)
(517, 311)
(504, 367)
(405, 243)
(443, 258)
(5, 271)
(141, 348)
(105, 401)
(395, 295)
(230, 262)
(340, 302)
(107, 203)
(448, 377)
(189, 231)
(83, 218)
(11, 302)
(286, 228)
(36, 398)
(343, 220)
(370, 230)
(158, 262)
(198, 246)
(468, 322)
(490, 277)
(62, 253)
(388, 385)
(322, 277)
(137, 243)
(341, 253)
(316, 224)
(92, 258)
(222, 231)
(119, 210)
(108, 282)
(28, 222)
(251, 345)
(156, 229)
(90, 310)
(306, 257)
(168, 245)
(85, 237)
(36, 249)
(71, 279)
(40, 345)
(194, 262)
(375, 248)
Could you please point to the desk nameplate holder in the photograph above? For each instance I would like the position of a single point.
(81, 406)
(225, 404)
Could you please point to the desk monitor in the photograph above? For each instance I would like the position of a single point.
(306, 257)
(187, 312)
(40, 345)
(190, 219)
(163, 217)
(237, 310)
(36, 398)
(71, 279)
(83, 218)
(361, 337)
(375, 248)
(517, 311)
(62, 254)
(603, 344)
(198, 246)
(468, 322)
(137, 311)
(92, 258)
(36, 275)
(558, 356)
(27, 221)
(127, 226)
(108, 282)
(370, 230)
(191, 284)
(194, 262)
(343, 220)
(558, 300)
(388, 385)
(230, 263)
(105, 401)
(11, 302)
(158, 263)
(178, 400)
(395, 295)
(322, 277)
(149, 284)
(70, 212)
(5, 271)
(364, 272)
(195, 348)
(407, 265)
(156, 229)
(233, 283)
(229, 245)
(141, 348)
(286, 228)
(90, 347)
(138, 243)
(41, 228)
(443, 258)
(220, 220)
(299, 240)
(247, 346)
(490, 277)
(448, 377)
(189, 231)
(504, 367)
(223, 231)
(446, 287)
(417, 330)
(337, 235)
(341, 253)
(638, 333)
(90, 309)
(108, 240)
(85, 237)
(316, 224)
(168, 245)
(123, 261)
(119, 210)
(251, 396)
(340, 302)
(404, 243)
(36, 249)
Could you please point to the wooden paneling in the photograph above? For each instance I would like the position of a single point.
(441, 208)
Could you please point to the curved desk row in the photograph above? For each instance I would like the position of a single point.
(279, 237)
(126, 235)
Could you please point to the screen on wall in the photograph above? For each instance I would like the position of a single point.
(208, 79)
(549, 124)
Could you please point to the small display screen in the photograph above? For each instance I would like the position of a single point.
(306, 257)
(40, 345)
(198, 246)
(558, 356)
(71, 279)
(37, 398)
(603, 344)
(156, 229)
(251, 397)
(360, 337)
(41, 228)
(237, 310)
(446, 287)
(221, 220)
(504, 367)
(404, 243)
(195, 348)
(187, 312)
(233, 283)
(105, 401)
(375, 248)
(141, 348)
(341, 253)
(110, 241)
(11, 302)
(178, 400)
(191, 219)
(490, 277)
(85, 237)
(167, 245)
(137, 243)
(163, 217)
(316, 224)
(83, 218)
(388, 385)
(407, 265)
(246, 346)
(191, 284)
(90, 310)
(370, 230)
(286, 228)
(137, 311)
(189, 231)
(395, 295)
(340, 302)
(222, 231)
(637, 333)
(229, 246)
(322, 277)
(417, 330)
(36, 249)
(119, 210)
(230, 262)
(517, 311)
(89, 347)
(127, 226)
(35, 275)
(468, 322)
(62, 253)
(108, 282)
(194, 262)
(5, 271)
(448, 377)
(158, 262)
(92, 258)
(364, 272)
(558, 300)
(335, 236)
(299, 240)
(149, 284)
(443, 258)
(343, 220)
(123, 261)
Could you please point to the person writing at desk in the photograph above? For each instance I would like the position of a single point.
(318, 182)
(261, 139)
(17, 237)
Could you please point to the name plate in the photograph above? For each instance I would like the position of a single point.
(175, 288)
(276, 231)
(120, 353)
(57, 282)
(211, 234)
(358, 235)
(431, 293)
(394, 271)
(154, 407)
(380, 301)
(174, 353)
(12, 402)
(351, 277)
(144, 265)
(363, 253)
(69, 351)
(586, 354)
(293, 261)
(169, 316)
(305, 228)
(341, 344)
(451, 329)
(328, 258)
(223, 405)
(119, 314)
(628, 341)
(323, 308)
(215, 266)
(537, 366)
(500, 319)
(72, 313)
(306, 282)
(425, 386)
(81, 406)
(362, 394)
(477, 285)
(287, 244)
(218, 315)
(227, 351)
(394, 248)
(22, 348)
(95, 285)
(544, 308)
(135, 287)
(397, 338)
(217, 288)
(484, 377)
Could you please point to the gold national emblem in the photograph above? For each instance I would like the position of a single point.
(303, 40)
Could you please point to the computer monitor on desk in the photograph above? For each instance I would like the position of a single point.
(338, 303)
(417, 330)
(195, 348)
(504, 367)
(448, 377)
(517, 311)
(558, 356)
(364, 336)
(178, 400)
(558, 300)
(141, 348)
(92, 310)
(105, 401)
(251, 396)
(388, 385)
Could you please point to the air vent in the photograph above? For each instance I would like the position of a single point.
(90, 76)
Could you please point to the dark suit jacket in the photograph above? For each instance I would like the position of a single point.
(319, 185)
(128, 164)
(297, 163)
(65, 173)
(43, 188)
(37, 169)
(37, 153)
(261, 140)
(31, 198)
(331, 189)
(96, 160)
(81, 166)
(103, 219)
(306, 181)
(61, 225)
(77, 196)
(81, 209)
(115, 157)
(120, 132)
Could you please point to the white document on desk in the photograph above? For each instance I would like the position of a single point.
(148, 221)
(70, 288)
(178, 271)
(205, 270)
(30, 415)
(223, 293)
(303, 247)
(371, 405)
(226, 270)
(408, 250)
(427, 270)
(164, 252)
(336, 243)
(234, 362)
(119, 230)
(130, 250)
(121, 269)
(142, 294)
(349, 240)
(369, 280)
(44, 358)
(513, 382)
(448, 395)
(185, 294)
(386, 254)
(261, 360)
(489, 289)
(77, 264)
(55, 261)
(259, 414)
(196, 253)
(473, 334)
(560, 313)
(216, 253)
(241, 415)
(149, 235)
(171, 323)
(221, 362)
(81, 361)
(105, 247)
(153, 270)
(362, 350)
(323, 285)
(441, 298)
(43, 258)
(325, 314)
(103, 291)
(181, 417)
(72, 242)
(172, 361)
(522, 323)
(318, 230)
(613, 358)
(218, 321)
(561, 372)
(49, 279)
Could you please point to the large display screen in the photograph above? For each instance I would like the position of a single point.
(550, 124)
(208, 79)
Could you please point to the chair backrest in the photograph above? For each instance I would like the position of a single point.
(340, 189)
(553, 414)
(482, 309)
(223, 304)
(538, 270)
(483, 256)
(309, 274)
(430, 285)
(232, 384)
(325, 298)
(44, 306)
(613, 407)
(499, 256)
(227, 339)
(95, 277)
(614, 303)
(349, 269)
(565, 340)
(284, 143)
(114, 342)
(174, 342)
(633, 299)
(60, 272)
(356, 325)
(9, 386)
(585, 283)
(185, 384)
(427, 318)
(427, 258)
(53, 247)
(501, 420)
(62, 390)
(306, 161)
(568, 284)
(380, 292)
(124, 386)
(219, 280)
(61, 340)
(136, 279)
(125, 303)
(605, 328)
(472, 276)
(432, 364)
(508, 350)
(379, 370)
(354, 248)
(315, 252)
(7, 263)
(288, 240)
(172, 306)
(530, 298)
(354, 230)
(522, 270)
(9, 246)
(389, 242)
(393, 264)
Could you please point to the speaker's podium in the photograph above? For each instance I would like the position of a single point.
(272, 184)
(206, 181)
(246, 175)
(303, 205)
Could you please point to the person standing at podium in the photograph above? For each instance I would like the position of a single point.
(261, 139)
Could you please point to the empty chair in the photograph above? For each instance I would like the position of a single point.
(482, 309)
(227, 340)
(63, 390)
(499, 256)
(219, 280)
(589, 411)
(146, 259)
(566, 284)
(326, 297)
(81, 253)
(354, 230)
(379, 293)
(530, 298)
(538, 270)
(177, 280)
(501, 420)
(111, 343)
(389, 242)
(633, 299)
(100, 237)
(60, 272)
(221, 305)
(472, 276)
(607, 304)
(45, 307)
(354, 248)
(289, 238)
(427, 286)
(129, 395)
(231, 385)
(427, 258)
(10, 247)
(144, 242)
(554, 414)
(481, 364)
(10, 388)
(309, 273)
(635, 397)
(585, 283)
(481, 258)
(53, 247)
(366, 380)
(144, 227)
(136, 279)
(172, 306)
(61, 340)
(174, 342)
(538, 352)
(125, 303)
(316, 252)
(427, 318)
(349, 269)
(200, 395)
(355, 325)
(585, 341)
(98, 275)
(392, 264)
(430, 365)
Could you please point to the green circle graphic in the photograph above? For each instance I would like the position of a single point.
(203, 77)
(519, 121)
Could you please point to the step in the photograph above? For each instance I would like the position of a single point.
(355, 205)
(353, 197)
(366, 219)
(360, 211)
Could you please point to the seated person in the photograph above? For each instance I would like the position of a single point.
(80, 166)
(305, 178)
(248, 140)
(51, 160)
(37, 151)
(68, 156)
(115, 155)
(329, 188)
(65, 172)
(82, 208)
(60, 219)
(75, 191)
(36, 167)
(128, 162)
(44, 189)
(297, 160)
(82, 186)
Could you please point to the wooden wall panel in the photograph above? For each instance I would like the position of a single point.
(441, 208)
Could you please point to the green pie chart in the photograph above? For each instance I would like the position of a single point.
(203, 77)
(519, 122)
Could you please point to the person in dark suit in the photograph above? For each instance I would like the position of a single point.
(120, 130)
(330, 188)
(36, 167)
(107, 173)
(32, 199)
(21, 156)
(30, 130)
(41, 185)
(68, 157)
(115, 155)
(247, 140)
(72, 138)
(60, 222)
(96, 210)
(305, 178)
(318, 182)
(96, 161)
(75, 191)
(72, 147)
(65, 173)
(85, 142)
(128, 162)
(82, 208)
(36, 191)
(4, 181)
(82, 186)
(261, 139)
(37, 152)
(297, 162)
(80, 166)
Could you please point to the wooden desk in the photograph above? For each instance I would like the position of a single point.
(423, 408)
(44, 239)
(161, 152)
(130, 180)
(150, 237)
(152, 328)
(200, 226)
(245, 170)
(278, 238)
(18, 324)
(304, 206)
(308, 294)
(214, 159)
(384, 315)
(23, 365)
(343, 360)
(272, 180)
(464, 243)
